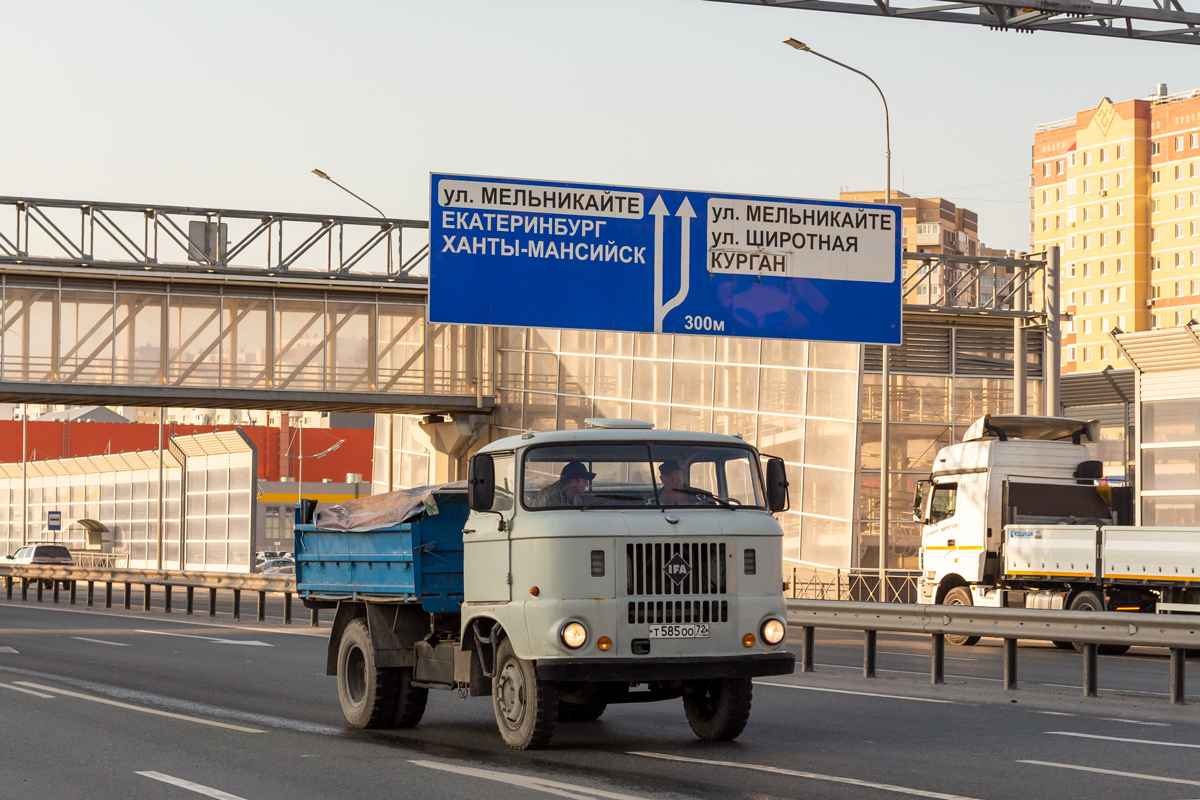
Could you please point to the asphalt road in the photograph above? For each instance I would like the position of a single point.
(135, 705)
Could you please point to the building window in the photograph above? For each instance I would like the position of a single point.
(1154, 148)
(1087, 327)
(1045, 223)
(1179, 317)
(1104, 352)
(1196, 262)
(1120, 209)
(1087, 354)
(1195, 286)
(1120, 180)
(1104, 240)
(1121, 322)
(1087, 271)
(1103, 154)
(1058, 168)
(1178, 144)
(1058, 221)
(1045, 196)
(1155, 321)
(1087, 298)
(1071, 352)
(1195, 199)
(1103, 266)
(1156, 234)
(1104, 211)
(1120, 151)
(1120, 294)
(1179, 172)
(1071, 242)
(1087, 212)
(1087, 158)
(1179, 259)
(1103, 296)
(1178, 202)
(1155, 292)
(1120, 240)
(1179, 290)
(1195, 169)
(925, 230)
(1058, 194)
(1120, 261)
(1071, 297)
(1178, 230)
(1194, 227)
(1103, 183)
(1045, 170)
(1155, 176)
(1087, 186)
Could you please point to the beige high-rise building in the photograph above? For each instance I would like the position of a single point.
(1117, 188)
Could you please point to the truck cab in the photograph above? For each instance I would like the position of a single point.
(620, 564)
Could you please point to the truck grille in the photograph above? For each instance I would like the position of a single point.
(645, 574)
(676, 611)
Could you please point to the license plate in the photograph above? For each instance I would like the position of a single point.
(697, 631)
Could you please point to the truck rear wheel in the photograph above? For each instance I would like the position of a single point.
(718, 709)
(960, 596)
(1092, 601)
(410, 701)
(367, 693)
(526, 707)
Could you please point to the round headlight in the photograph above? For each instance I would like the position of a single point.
(574, 635)
(773, 631)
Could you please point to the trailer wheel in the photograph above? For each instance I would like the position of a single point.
(526, 707)
(580, 712)
(367, 693)
(410, 700)
(718, 709)
(960, 596)
(1092, 601)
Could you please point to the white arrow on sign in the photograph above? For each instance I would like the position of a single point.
(210, 639)
(686, 214)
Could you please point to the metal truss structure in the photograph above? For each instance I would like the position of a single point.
(97, 236)
(1148, 20)
(1003, 287)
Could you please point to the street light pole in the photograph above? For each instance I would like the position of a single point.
(885, 483)
(321, 174)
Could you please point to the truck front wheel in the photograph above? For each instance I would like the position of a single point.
(367, 693)
(960, 596)
(526, 707)
(718, 709)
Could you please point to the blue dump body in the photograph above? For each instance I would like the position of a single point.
(416, 561)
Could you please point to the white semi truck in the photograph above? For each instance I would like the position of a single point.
(614, 564)
(1017, 515)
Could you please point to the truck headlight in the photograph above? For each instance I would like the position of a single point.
(773, 631)
(574, 635)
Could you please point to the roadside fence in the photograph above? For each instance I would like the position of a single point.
(813, 582)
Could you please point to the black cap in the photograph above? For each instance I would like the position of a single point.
(668, 466)
(575, 469)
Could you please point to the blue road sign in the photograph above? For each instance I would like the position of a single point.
(54, 520)
(570, 255)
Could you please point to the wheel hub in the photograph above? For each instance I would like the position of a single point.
(510, 694)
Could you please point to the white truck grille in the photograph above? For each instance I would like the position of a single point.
(646, 568)
(676, 611)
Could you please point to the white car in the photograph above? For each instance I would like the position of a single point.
(50, 554)
(279, 566)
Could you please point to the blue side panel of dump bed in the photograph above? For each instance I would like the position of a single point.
(416, 561)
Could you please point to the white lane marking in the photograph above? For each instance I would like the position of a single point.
(92, 612)
(207, 791)
(1123, 739)
(913, 672)
(1055, 713)
(8, 650)
(860, 694)
(27, 691)
(529, 782)
(143, 709)
(1159, 778)
(100, 641)
(209, 638)
(816, 776)
(923, 655)
(1137, 722)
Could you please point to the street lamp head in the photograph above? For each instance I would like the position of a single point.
(801, 46)
(320, 174)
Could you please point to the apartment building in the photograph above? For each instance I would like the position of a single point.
(1117, 188)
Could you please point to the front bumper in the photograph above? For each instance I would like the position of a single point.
(676, 668)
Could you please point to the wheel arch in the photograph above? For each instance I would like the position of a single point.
(951, 581)
(347, 612)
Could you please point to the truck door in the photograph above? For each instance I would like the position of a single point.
(941, 532)
(486, 550)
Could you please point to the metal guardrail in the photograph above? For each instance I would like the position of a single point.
(41, 577)
(1179, 633)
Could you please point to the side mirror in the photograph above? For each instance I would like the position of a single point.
(777, 486)
(481, 483)
(918, 507)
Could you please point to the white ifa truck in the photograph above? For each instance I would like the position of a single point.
(1017, 515)
(614, 564)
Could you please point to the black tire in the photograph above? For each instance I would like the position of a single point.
(580, 712)
(526, 707)
(367, 693)
(718, 709)
(410, 700)
(959, 596)
(1092, 601)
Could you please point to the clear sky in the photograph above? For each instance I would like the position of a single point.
(230, 105)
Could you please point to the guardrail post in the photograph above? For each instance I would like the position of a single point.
(869, 639)
(1010, 664)
(54, 590)
(1089, 670)
(167, 597)
(91, 593)
(39, 590)
(315, 617)
(108, 594)
(145, 597)
(237, 605)
(287, 608)
(937, 659)
(71, 591)
(191, 598)
(8, 582)
(808, 633)
(262, 606)
(1177, 667)
(127, 595)
(212, 602)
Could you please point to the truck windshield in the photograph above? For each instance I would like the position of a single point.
(592, 475)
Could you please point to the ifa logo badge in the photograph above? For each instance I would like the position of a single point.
(677, 569)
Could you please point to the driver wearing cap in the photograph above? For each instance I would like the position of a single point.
(568, 489)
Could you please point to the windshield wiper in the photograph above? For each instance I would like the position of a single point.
(730, 504)
(606, 497)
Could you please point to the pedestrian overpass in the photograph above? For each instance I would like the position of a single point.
(124, 304)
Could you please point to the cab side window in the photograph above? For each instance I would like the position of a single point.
(506, 482)
(942, 505)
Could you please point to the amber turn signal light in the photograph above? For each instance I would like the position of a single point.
(748, 640)
(604, 643)
(533, 590)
